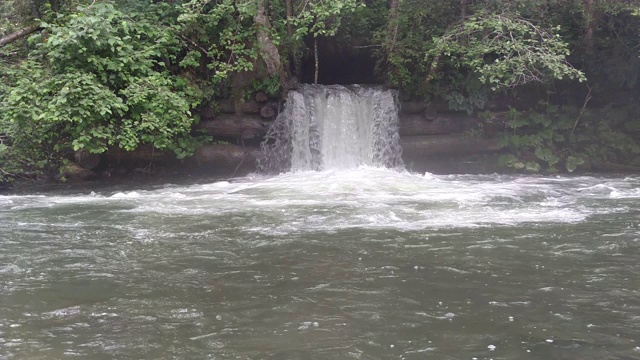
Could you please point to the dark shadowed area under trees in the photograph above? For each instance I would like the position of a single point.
(554, 82)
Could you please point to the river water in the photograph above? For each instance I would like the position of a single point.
(355, 264)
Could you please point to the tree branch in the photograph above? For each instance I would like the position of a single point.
(268, 50)
(584, 107)
(18, 35)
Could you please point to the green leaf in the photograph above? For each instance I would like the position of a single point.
(573, 163)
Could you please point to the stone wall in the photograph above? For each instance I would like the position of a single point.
(432, 141)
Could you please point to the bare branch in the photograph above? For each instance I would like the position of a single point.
(18, 35)
(584, 107)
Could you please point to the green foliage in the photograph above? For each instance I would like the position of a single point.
(566, 138)
(407, 38)
(159, 114)
(321, 18)
(614, 60)
(122, 73)
(223, 32)
(429, 50)
(96, 80)
(129, 72)
(611, 58)
(504, 51)
(458, 102)
(270, 86)
(539, 141)
(359, 24)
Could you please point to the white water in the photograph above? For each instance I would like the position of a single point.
(367, 197)
(361, 263)
(353, 261)
(334, 127)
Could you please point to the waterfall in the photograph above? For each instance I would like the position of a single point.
(334, 127)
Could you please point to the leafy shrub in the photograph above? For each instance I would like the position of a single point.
(567, 138)
(96, 80)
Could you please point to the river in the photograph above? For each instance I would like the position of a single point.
(354, 264)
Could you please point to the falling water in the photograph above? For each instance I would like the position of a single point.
(334, 127)
(358, 263)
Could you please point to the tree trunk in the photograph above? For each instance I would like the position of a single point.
(18, 35)
(590, 23)
(35, 9)
(268, 49)
(289, 8)
(463, 8)
(392, 30)
(393, 9)
(315, 54)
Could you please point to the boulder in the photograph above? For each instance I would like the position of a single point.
(86, 159)
(75, 172)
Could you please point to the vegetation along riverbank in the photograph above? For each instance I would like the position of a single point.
(112, 89)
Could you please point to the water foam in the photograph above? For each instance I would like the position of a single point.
(364, 197)
(334, 127)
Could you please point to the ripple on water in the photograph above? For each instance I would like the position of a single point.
(62, 313)
(357, 264)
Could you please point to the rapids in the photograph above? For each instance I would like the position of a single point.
(366, 263)
(343, 258)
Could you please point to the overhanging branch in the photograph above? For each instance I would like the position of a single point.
(18, 35)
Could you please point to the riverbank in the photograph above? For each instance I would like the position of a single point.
(427, 136)
(433, 139)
